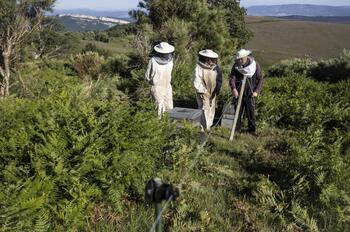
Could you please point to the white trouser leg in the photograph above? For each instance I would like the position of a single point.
(168, 99)
(210, 115)
(163, 98)
(208, 111)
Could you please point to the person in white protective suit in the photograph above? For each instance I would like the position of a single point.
(207, 80)
(158, 75)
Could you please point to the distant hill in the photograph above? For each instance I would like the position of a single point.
(276, 39)
(299, 9)
(90, 20)
(326, 19)
(114, 14)
(76, 22)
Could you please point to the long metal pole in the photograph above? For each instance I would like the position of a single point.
(238, 109)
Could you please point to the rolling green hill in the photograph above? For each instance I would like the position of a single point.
(276, 39)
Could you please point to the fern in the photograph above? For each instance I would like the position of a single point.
(302, 218)
(42, 222)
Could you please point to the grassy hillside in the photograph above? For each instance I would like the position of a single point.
(74, 24)
(115, 45)
(281, 39)
(334, 19)
(274, 40)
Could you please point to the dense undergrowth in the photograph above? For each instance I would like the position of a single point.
(79, 135)
(76, 150)
(76, 153)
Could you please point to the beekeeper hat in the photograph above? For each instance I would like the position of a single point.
(209, 53)
(164, 48)
(242, 53)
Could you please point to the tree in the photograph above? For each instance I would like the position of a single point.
(216, 24)
(18, 20)
(51, 41)
(234, 15)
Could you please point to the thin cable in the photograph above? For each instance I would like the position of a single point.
(194, 162)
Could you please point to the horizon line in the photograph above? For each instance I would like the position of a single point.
(124, 9)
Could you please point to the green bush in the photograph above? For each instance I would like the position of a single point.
(118, 65)
(88, 66)
(317, 114)
(122, 30)
(332, 70)
(90, 47)
(292, 67)
(42, 78)
(102, 37)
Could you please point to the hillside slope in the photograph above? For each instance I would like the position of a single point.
(299, 9)
(276, 39)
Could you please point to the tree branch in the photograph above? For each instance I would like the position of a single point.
(24, 86)
(2, 71)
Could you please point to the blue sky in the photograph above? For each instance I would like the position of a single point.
(130, 4)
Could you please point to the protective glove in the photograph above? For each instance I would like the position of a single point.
(235, 93)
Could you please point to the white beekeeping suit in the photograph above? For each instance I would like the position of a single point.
(158, 75)
(207, 80)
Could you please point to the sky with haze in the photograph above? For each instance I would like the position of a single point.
(112, 5)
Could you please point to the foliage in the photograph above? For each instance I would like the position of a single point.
(90, 47)
(332, 70)
(234, 16)
(50, 42)
(71, 156)
(117, 65)
(190, 26)
(77, 159)
(88, 65)
(317, 150)
(102, 36)
(122, 30)
(289, 67)
(42, 78)
(18, 20)
(207, 24)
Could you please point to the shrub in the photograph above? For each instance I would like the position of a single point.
(117, 65)
(102, 37)
(91, 47)
(88, 65)
(292, 67)
(122, 30)
(332, 70)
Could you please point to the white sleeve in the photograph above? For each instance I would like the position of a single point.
(149, 71)
(197, 81)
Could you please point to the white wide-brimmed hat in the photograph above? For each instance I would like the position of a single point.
(242, 53)
(209, 53)
(164, 48)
